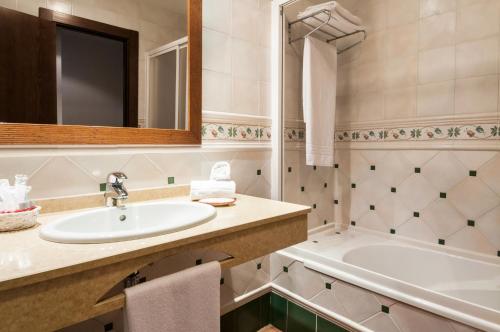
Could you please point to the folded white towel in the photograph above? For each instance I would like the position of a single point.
(212, 189)
(341, 18)
(319, 84)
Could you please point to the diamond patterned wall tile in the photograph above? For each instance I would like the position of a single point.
(372, 220)
(10, 166)
(61, 177)
(410, 319)
(99, 166)
(443, 218)
(416, 229)
(326, 299)
(381, 322)
(301, 281)
(440, 179)
(416, 192)
(474, 159)
(489, 225)
(471, 238)
(490, 173)
(359, 303)
(175, 165)
(418, 157)
(394, 168)
(142, 173)
(472, 197)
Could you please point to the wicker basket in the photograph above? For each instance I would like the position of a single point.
(18, 220)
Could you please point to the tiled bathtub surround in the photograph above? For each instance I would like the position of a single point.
(445, 197)
(373, 311)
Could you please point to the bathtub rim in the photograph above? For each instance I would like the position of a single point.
(474, 315)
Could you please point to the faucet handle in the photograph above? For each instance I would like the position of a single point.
(116, 177)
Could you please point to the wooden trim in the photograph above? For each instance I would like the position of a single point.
(39, 134)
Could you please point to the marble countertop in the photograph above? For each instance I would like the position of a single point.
(25, 258)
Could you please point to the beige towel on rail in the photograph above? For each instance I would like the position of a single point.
(319, 87)
(184, 301)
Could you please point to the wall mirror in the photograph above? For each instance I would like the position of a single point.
(101, 72)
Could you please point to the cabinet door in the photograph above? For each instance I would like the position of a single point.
(27, 69)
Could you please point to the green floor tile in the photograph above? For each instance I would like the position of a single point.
(326, 326)
(299, 319)
(278, 311)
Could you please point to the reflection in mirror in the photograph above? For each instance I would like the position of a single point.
(118, 64)
(167, 86)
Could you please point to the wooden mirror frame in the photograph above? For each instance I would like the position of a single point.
(44, 134)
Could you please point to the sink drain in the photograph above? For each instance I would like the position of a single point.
(123, 217)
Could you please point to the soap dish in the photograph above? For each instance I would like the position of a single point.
(14, 221)
(218, 201)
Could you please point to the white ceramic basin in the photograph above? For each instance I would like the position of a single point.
(135, 221)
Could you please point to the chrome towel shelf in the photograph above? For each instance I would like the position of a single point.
(321, 24)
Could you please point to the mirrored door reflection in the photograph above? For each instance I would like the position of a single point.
(167, 86)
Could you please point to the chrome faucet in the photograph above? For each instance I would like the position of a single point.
(116, 193)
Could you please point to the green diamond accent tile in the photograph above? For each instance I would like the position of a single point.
(171, 180)
(102, 187)
(353, 186)
(498, 253)
(314, 167)
(278, 311)
(336, 165)
(393, 190)
(416, 214)
(314, 206)
(299, 319)
(285, 269)
(222, 281)
(441, 241)
(199, 261)
(417, 169)
(302, 188)
(472, 173)
(335, 201)
(259, 266)
(325, 222)
(328, 285)
(372, 167)
(324, 325)
(393, 231)
(372, 207)
(259, 172)
(353, 223)
(385, 309)
(289, 170)
(325, 185)
(442, 195)
(471, 223)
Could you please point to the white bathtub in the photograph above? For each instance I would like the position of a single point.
(452, 283)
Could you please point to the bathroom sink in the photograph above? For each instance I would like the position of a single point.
(134, 221)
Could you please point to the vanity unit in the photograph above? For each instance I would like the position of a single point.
(47, 285)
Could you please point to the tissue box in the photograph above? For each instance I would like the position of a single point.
(14, 221)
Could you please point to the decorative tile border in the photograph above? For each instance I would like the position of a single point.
(235, 132)
(423, 133)
(294, 135)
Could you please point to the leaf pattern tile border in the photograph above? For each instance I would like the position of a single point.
(422, 133)
(235, 132)
(242, 132)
